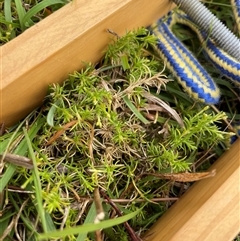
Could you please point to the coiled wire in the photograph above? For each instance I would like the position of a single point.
(201, 16)
(226, 64)
(190, 74)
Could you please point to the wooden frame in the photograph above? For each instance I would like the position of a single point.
(209, 210)
(50, 50)
(58, 45)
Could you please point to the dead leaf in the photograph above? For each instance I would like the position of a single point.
(60, 132)
(17, 160)
(185, 176)
(164, 105)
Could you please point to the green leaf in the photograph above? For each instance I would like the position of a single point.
(135, 111)
(7, 10)
(20, 150)
(124, 62)
(7, 176)
(91, 227)
(89, 219)
(5, 220)
(21, 13)
(50, 115)
(37, 8)
(37, 182)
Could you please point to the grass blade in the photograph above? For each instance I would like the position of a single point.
(20, 150)
(89, 219)
(21, 13)
(7, 176)
(37, 8)
(50, 115)
(135, 111)
(90, 227)
(7, 10)
(37, 182)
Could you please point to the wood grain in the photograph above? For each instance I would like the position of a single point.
(50, 50)
(209, 210)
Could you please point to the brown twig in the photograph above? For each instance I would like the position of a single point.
(98, 204)
(8, 229)
(141, 200)
(60, 132)
(17, 218)
(130, 231)
(100, 213)
(137, 200)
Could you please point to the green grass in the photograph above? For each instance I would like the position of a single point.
(16, 16)
(98, 138)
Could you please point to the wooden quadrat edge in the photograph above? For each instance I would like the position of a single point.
(209, 210)
(60, 44)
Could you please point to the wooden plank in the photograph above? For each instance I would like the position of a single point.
(58, 45)
(209, 210)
